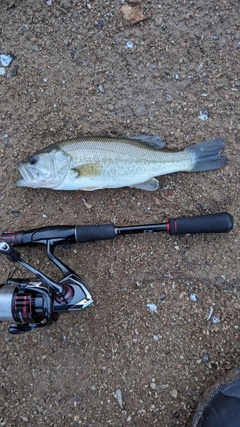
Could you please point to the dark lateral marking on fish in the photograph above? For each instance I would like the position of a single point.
(90, 169)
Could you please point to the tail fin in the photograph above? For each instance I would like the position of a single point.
(207, 155)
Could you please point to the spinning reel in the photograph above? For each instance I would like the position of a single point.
(34, 303)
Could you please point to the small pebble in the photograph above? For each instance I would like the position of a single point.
(216, 319)
(100, 23)
(206, 112)
(6, 59)
(204, 115)
(129, 44)
(155, 337)
(44, 216)
(205, 358)
(176, 76)
(193, 298)
(101, 88)
(15, 213)
(174, 393)
(14, 71)
(152, 307)
(132, 14)
(49, 2)
(2, 71)
(153, 386)
(118, 396)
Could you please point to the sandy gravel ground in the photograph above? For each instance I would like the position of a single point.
(81, 68)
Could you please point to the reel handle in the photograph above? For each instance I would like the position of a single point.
(9, 251)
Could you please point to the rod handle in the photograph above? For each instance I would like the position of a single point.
(91, 233)
(212, 223)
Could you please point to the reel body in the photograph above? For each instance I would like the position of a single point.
(35, 303)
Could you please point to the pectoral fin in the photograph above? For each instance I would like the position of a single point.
(150, 185)
(90, 169)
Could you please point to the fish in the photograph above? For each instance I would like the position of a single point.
(93, 163)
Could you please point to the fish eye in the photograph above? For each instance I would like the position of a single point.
(32, 160)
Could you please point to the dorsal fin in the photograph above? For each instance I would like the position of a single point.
(150, 141)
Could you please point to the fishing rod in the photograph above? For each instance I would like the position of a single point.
(34, 303)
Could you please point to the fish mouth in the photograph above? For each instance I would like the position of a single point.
(34, 179)
(28, 176)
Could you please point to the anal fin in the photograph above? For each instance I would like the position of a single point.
(150, 185)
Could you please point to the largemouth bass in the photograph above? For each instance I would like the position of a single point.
(92, 163)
